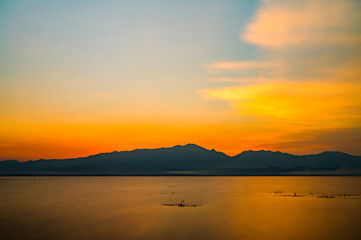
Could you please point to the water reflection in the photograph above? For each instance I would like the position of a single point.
(149, 208)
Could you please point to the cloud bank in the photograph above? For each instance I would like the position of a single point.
(311, 58)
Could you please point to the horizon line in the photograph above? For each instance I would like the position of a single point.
(178, 145)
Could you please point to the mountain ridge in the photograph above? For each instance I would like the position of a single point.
(191, 158)
(137, 149)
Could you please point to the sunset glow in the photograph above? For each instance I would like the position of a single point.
(85, 78)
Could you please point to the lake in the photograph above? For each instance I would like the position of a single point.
(153, 208)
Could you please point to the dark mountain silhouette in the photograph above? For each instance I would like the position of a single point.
(190, 159)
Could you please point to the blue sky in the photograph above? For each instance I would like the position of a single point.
(148, 48)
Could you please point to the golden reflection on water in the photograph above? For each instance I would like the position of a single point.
(148, 208)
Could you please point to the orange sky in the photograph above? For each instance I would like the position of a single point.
(290, 82)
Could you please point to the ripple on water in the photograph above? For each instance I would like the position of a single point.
(279, 193)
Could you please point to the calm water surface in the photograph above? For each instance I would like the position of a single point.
(147, 208)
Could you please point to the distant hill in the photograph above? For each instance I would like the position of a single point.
(189, 159)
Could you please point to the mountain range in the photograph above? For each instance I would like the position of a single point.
(190, 160)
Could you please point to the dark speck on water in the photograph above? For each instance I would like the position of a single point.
(181, 205)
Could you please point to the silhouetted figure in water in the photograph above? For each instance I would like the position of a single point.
(294, 194)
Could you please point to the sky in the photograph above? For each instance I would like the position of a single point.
(83, 77)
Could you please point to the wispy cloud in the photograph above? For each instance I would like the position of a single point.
(308, 78)
(221, 66)
(302, 103)
(243, 80)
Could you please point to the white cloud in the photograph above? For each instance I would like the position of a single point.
(280, 23)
